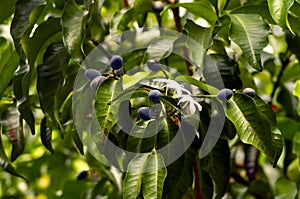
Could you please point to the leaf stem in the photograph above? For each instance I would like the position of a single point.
(205, 96)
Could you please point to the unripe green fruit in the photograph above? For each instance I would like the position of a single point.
(158, 6)
(154, 65)
(116, 62)
(249, 91)
(91, 74)
(145, 113)
(224, 94)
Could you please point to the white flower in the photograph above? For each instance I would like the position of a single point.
(173, 85)
(193, 103)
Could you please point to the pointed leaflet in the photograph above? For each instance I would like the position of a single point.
(105, 112)
(201, 40)
(279, 10)
(73, 27)
(21, 91)
(133, 179)
(46, 135)
(7, 71)
(20, 21)
(252, 126)
(154, 177)
(250, 33)
(203, 9)
(50, 79)
(46, 33)
(4, 162)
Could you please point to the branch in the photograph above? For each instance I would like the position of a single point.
(125, 2)
(197, 181)
(179, 29)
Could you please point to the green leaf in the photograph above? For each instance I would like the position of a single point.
(7, 71)
(20, 21)
(77, 141)
(285, 188)
(250, 33)
(45, 34)
(288, 127)
(229, 71)
(217, 165)
(203, 9)
(180, 175)
(252, 126)
(125, 16)
(73, 28)
(296, 144)
(261, 9)
(106, 92)
(201, 85)
(21, 91)
(279, 10)
(133, 179)
(6, 9)
(46, 135)
(296, 92)
(138, 141)
(154, 177)
(265, 109)
(292, 71)
(160, 48)
(4, 162)
(18, 145)
(203, 38)
(50, 79)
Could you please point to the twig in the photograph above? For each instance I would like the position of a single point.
(125, 2)
(197, 181)
(179, 29)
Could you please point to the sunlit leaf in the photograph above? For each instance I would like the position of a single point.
(73, 29)
(279, 10)
(203, 9)
(252, 127)
(250, 33)
(297, 93)
(154, 177)
(133, 180)
(20, 21)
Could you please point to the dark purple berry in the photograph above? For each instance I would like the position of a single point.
(225, 94)
(96, 82)
(154, 96)
(154, 65)
(116, 62)
(145, 113)
(82, 175)
(91, 74)
(158, 6)
(249, 91)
